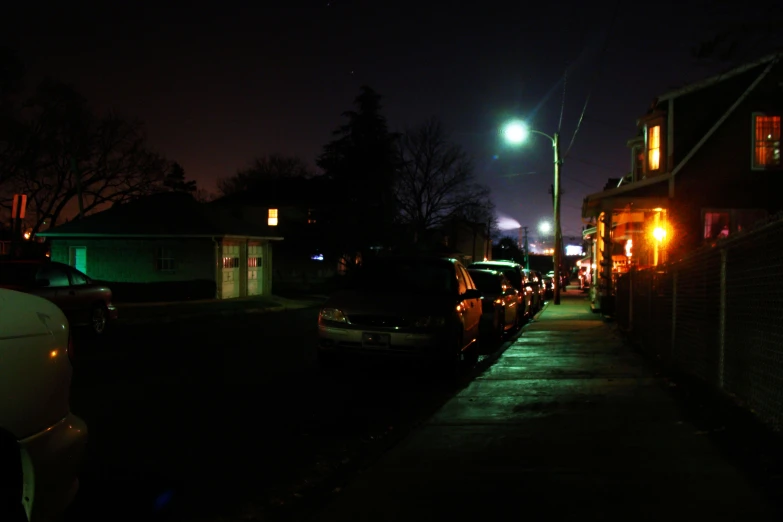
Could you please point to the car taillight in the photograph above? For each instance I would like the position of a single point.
(70, 348)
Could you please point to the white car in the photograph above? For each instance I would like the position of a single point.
(41, 441)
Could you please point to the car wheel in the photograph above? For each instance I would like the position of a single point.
(470, 357)
(99, 319)
(11, 507)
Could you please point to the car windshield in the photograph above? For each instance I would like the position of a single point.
(507, 271)
(486, 281)
(18, 274)
(420, 276)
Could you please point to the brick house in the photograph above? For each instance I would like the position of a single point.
(167, 238)
(705, 163)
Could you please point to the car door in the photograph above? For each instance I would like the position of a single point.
(511, 300)
(59, 290)
(472, 306)
(81, 293)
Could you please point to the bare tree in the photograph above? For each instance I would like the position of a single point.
(69, 152)
(264, 170)
(436, 181)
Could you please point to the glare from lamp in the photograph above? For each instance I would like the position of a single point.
(659, 234)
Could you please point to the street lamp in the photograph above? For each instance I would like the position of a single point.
(516, 132)
(544, 227)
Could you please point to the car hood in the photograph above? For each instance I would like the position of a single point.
(390, 303)
(35, 372)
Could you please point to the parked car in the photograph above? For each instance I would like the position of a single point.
(84, 302)
(412, 306)
(536, 282)
(519, 279)
(41, 441)
(500, 305)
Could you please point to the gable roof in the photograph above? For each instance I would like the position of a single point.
(765, 64)
(168, 214)
(720, 77)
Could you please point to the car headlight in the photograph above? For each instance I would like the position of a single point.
(428, 321)
(333, 315)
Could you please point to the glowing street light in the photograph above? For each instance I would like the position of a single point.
(659, 234)
(544, 227)
(516, 132)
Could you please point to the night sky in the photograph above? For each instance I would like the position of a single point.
(219, 86)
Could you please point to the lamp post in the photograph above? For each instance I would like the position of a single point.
(516, 132)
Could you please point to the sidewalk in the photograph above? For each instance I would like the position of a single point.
(568, 424)
(157, 313)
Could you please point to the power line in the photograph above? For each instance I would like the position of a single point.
(599, 69)
(562, 102)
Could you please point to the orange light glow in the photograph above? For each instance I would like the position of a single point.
(767, 141)
(654, 148)
(659, 233)
(53, 354)
(628, 247)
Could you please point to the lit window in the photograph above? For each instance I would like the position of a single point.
(654, 148)
(253, 262)
(272, 217)
(716, 224)
(230, 262)
(164, 260)
(766, 140)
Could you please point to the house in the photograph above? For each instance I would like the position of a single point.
(167, 238)
(303, 261)
(705, 163)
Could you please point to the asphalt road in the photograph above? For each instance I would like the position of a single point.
(230, 419)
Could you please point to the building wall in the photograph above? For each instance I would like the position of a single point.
(720, 174)
(134, 260)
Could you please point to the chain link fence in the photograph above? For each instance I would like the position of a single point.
(718, 315)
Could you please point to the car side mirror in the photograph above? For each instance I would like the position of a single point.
(42, 282)
(471, 293)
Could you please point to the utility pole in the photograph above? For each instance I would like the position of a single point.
(558, 232)
(527, 251)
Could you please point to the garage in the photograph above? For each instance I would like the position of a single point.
(254, 263)
(230, 286)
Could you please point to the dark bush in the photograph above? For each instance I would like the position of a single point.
(161, 292)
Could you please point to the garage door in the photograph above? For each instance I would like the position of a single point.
(230, 286)
(254, 270)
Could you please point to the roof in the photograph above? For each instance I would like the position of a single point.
(168, 214)
(720, 77)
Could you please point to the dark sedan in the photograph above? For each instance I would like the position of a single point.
(84, 302)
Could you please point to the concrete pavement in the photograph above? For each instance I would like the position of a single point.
(568, 422)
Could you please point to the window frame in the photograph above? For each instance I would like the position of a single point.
(648, 150)
(159, 256)
(711, 210)
(753, 165)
